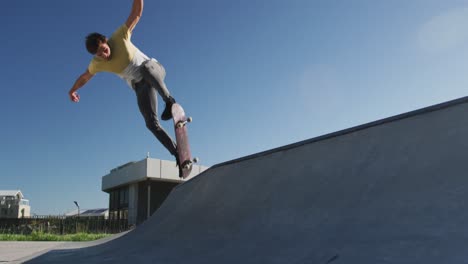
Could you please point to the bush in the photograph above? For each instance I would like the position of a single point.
(62, 225)
(41, 236)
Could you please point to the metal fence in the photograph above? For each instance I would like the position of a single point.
(60, 225)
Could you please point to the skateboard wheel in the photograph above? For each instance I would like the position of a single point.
(180, 124)
(189, 119)
(187, 164)
(195, 160)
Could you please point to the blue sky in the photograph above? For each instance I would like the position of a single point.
(254, 74)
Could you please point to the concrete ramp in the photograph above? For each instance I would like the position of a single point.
(392, 191)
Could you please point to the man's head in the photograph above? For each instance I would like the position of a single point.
(96, 44)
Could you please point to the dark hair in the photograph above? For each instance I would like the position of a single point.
(93, 40)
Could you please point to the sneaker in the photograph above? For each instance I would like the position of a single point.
(167, 114)
(181, 172)
(179, 166)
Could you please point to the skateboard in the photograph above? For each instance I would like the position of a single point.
(183, 147)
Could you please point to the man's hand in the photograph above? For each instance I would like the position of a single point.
(74, 96)
(82, 80)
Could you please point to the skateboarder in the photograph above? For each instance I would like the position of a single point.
(144, 75)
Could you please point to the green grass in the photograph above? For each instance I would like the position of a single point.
(40, 236)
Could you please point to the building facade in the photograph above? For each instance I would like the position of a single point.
(137, 189)
(13, 204)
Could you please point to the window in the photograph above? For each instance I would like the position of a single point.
(118, 203)
(111, 201)
(124, 214)
(123, 197)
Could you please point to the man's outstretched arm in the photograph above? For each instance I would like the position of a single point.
(82, 80)
(135, 14)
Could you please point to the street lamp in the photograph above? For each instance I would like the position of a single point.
(77, 205)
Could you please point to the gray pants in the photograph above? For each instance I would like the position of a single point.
(146, 92)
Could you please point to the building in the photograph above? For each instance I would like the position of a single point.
(13, 204)
(137, 189)
(98, 212)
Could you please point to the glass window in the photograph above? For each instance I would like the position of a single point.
(114, 200)
(123, 197)
(111, 199)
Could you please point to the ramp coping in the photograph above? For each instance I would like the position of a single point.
(413, 113)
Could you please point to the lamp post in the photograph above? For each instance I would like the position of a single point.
(77, 205)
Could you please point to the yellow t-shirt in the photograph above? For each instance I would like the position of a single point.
(122, 53)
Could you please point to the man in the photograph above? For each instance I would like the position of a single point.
(144, 75)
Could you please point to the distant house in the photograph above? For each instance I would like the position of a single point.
(99, 212)
(13, 204)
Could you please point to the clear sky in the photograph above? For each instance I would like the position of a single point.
(254, 74)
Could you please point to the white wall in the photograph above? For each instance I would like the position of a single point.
(148, 168)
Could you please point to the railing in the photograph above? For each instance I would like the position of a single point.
(61, 225)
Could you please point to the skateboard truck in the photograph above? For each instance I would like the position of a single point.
(183, 123)
(189, 163)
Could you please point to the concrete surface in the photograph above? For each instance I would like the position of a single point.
(392, 191)
(13, 252)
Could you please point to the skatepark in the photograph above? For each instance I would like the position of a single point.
(391, 191)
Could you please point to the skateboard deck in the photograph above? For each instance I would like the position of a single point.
(183, 147)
